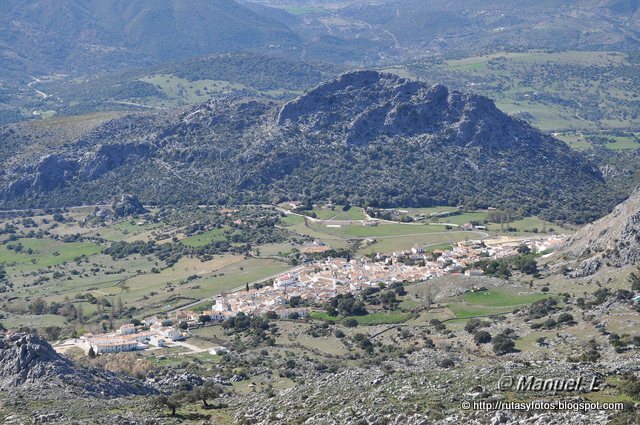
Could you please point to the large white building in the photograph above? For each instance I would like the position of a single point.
(114, 346)
(285, 280)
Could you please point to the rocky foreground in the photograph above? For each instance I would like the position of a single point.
(417, 390)
(28, 362)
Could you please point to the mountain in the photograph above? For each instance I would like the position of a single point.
(463, 26)
(28, 361)
(610, 242)
(85, 36)
(374, 138)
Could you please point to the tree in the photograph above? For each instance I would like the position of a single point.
(208, 391)
(426, 293)
(80, 314)
(295, 301)
(472, 325)
(91, 353)
(53, 332)
(631, 386)
(247, 287)
(524, 249)
(204, 318)
(350, 323)
(172, 402)
(502, 344)
(38, 306)
(112, 315)
(446, 363)
(482, 337)
(119, 306)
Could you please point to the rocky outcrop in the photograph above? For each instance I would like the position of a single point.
(127, 206)
(107, 157)
(366, 104)
(611, 242)
(28, 361)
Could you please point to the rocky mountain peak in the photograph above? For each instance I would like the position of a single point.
(365, 105)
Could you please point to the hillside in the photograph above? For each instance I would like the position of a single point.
(72, 36)
(454, 27)
(373, 138)
(188, 82)
(611, 242)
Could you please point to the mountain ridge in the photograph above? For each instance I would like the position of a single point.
(610, 242)
(368, 136)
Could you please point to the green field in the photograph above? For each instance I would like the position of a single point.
(428, 242)
(381, 230)
(45, 253)
(500, 298)
(526, 225)
(33, 321)
(495, 301)
(204, 238)
(180, 90)
(337, 213)
(373, 319)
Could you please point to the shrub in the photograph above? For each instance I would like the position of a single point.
(502, 344)
(446, 363)
(482, 337)
(350, 323)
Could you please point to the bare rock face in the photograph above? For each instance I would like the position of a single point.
(612, 241)
(28, 361)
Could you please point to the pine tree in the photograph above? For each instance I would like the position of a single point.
(79, 314)
(120, 307)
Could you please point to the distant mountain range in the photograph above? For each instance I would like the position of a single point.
(85, 37)
(372, 138)
(454, 27)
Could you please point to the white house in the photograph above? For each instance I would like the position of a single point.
(156, 341)
(170, 333)
(152, 320)
(127, 329)
(220, 316)
(217, 351)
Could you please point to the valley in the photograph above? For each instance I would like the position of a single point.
(319, 212)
